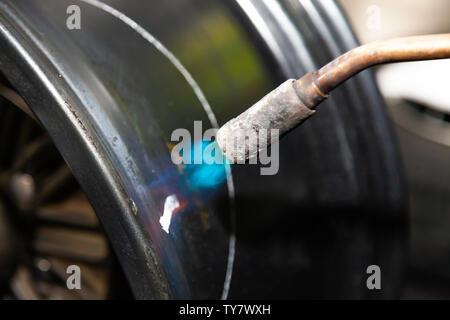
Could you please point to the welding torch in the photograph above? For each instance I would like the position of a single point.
(294, 101)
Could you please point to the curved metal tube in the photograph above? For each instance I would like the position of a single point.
(427, 47)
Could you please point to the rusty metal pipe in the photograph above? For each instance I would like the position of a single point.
(428, 47)
(294, 101)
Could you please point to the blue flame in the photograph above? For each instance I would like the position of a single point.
(210, 173)
(194, 180)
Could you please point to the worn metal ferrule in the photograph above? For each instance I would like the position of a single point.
(275, 114)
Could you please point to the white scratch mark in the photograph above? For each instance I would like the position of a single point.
(170, 205)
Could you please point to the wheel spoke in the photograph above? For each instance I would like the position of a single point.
(52, 184)
(26, 127)
(30, 151)
(94, 284)
(22, 285)
(74, 211)
(53, 291)
(75, 244)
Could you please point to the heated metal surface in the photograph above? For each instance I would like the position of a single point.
(111, 94)
(117, 96)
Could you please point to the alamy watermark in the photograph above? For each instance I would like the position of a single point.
(74, 279)
(73, 21)
(374, 280)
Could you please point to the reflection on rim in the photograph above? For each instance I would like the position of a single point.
(167, 53)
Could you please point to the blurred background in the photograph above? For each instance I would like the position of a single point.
(420, 115)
